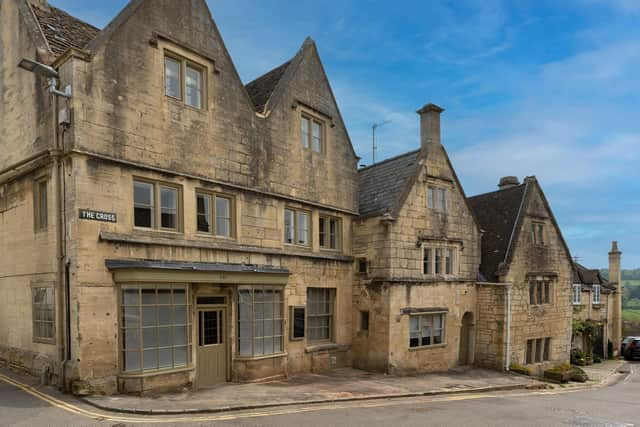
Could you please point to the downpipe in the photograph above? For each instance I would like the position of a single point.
(507, 363)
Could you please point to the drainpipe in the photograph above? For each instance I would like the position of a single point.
(507, 363)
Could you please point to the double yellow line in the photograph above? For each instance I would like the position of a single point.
(66, 406)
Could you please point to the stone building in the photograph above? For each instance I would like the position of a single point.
(526, 270)
(168, 226)
(597, 300)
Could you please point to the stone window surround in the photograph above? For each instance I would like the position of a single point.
(40, 212)
(434, 201)
(330, 315)
(455, 262)
(546, 292)
(213, 215)
(296, 212)
(538, 237)
(156, 222)
(185, 61)
(49, 286)
(327, 233)
(544, 352)
(312, 116)
(422, 313)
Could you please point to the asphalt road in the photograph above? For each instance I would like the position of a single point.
(617, 405)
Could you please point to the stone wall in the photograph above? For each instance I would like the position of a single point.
(491, 326)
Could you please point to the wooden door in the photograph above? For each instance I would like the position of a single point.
(212, 353)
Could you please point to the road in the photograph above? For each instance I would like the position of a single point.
(617, 405)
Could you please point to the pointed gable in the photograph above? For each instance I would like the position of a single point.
(497, 214)
(61, 30)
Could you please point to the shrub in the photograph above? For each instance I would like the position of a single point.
(578, 357)
(519, 369)
(597, 359)
(578, 375)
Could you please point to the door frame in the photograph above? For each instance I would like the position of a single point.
(226, 330)
(468, 330)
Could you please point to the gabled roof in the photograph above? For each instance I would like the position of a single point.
(260, 89)
(586, 276)
(382, 184)
(497, 214)
(61, 30)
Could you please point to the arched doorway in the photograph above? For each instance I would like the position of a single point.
(466, 340)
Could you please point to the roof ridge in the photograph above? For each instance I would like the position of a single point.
(496, 191)
(388, 160)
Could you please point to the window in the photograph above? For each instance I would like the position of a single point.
(155, 326)
(172, 78)
(362, 265)
(215, 214)
(596, 294)
(320, 313)
(364, 320)
(297, 323)
(426, 330)
(43, 314)
(192, 84)
(330, 231)
(40, 205)
(439, 260)
(537, 233)
(260, 321)
(437, 198)
(296, 226)
(312, 133)
(147, 213)
(539, 292)
(577, 290)
(193, 87)
(538, 350)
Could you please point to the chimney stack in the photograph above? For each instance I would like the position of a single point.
(615, 278)
(429, 124)
(508, 182)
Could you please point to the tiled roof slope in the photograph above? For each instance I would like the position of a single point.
(586, 276)
(382, 184)
(260, 89)
(62, 30)
(496, 214)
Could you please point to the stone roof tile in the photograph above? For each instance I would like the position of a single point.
(62, 30)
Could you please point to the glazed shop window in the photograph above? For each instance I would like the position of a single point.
(260, 321)
(215, 214)
(155, 328)
(43, 314)
(320, 313)
(297, 225)
(426, 330)
(156, 205)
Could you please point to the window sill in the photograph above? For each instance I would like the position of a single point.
(321, 347)
(266, 356)
(155, 373)
(428, 347)
(297, 246)
(44, 340)
(596, 306)
(163, 232)
(205, 235)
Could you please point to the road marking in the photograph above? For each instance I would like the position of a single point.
(157, 419)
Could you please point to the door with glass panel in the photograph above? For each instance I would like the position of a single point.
(212, 354)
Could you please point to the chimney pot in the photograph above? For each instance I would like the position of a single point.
(429, 124)
(508, 182)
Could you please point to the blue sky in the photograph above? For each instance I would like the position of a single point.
(541, 88)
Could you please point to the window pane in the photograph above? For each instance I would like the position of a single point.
(317, 137)
(149, 337)
(245, 347)
(149, 316)
(438, 268)
(303, 228)
(179, 296)
(180, 315)
(168, 207)
(131, 361)
(430, 197)
(143, 204)
(164, 315)
(165, 358)
(150, 359)
(322, 232)
(448, 261)
(304, 132)
(179, 335)
(149, 297)
(180, 356)
(193, 87)
(172, 77)
(426, 268)
(204, 212)
(288, 226)
(442, 199)
(164, 296)
(333, 234)
(131, 317)
(223, 216)
(131, 296)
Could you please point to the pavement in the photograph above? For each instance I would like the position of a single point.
(339, 385)
(24, 403)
